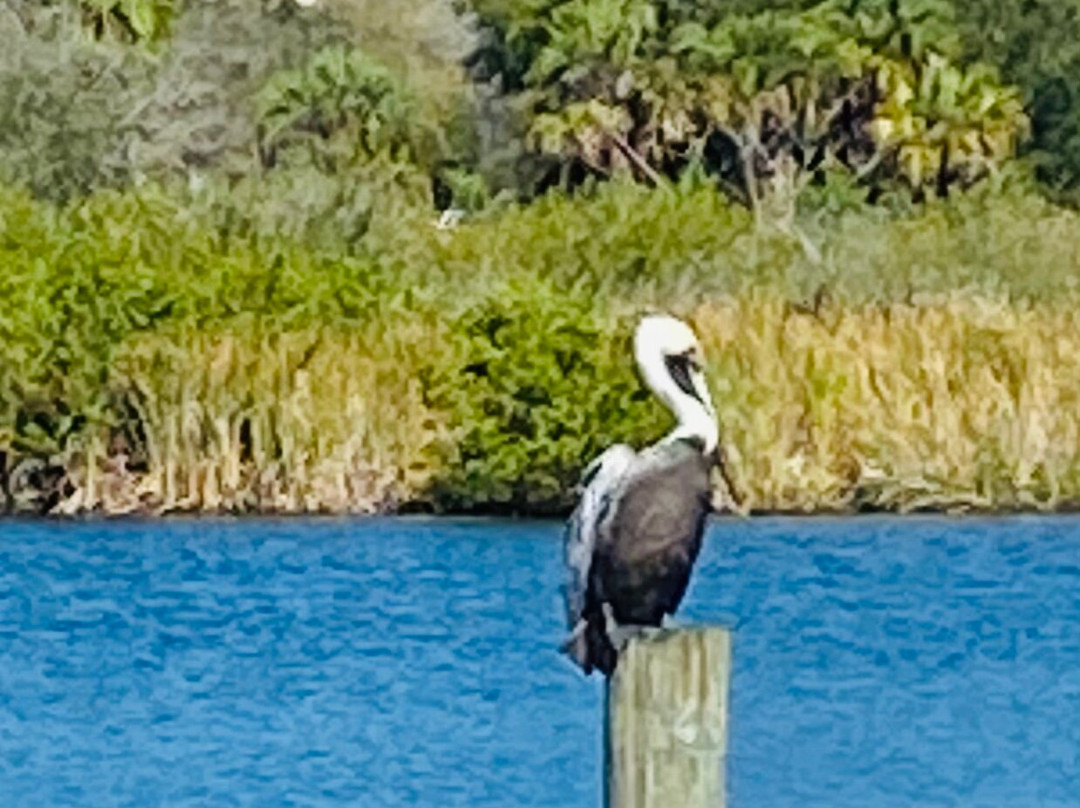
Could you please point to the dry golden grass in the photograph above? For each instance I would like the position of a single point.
(313, 421)
(954, 402)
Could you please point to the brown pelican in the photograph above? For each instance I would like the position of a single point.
(636, 531)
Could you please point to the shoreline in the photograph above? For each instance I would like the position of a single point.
(498, 515)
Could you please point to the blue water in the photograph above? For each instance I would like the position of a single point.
(408, 662)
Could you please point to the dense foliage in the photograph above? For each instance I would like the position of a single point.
(478, 367)
(766, 99)
(232, 275)
(1036, 44)
(538, 385)
(492, 95)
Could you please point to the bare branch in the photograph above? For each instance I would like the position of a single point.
(639, 162)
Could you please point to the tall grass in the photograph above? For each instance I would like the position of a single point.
(958, 401)
(250, 419)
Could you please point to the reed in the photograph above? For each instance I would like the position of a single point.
(257, 420)
(953, 401)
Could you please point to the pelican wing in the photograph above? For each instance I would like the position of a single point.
(599, 484)
(655, 532)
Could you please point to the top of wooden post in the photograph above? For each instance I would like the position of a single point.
(667, 719)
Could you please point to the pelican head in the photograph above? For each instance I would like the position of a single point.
(669, 357)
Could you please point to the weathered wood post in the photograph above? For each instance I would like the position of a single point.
(667, 715)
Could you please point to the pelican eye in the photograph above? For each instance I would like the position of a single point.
(679, 367)
(692, 359)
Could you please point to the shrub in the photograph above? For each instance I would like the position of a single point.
(80, 281)
(542, 385)
(344, 105)
(520, 319)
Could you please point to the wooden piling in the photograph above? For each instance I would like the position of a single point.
(667, 716)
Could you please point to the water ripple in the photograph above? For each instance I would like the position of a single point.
(411, 662)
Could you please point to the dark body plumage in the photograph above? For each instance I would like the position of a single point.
(632, 542)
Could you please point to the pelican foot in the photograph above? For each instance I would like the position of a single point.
(622, 635)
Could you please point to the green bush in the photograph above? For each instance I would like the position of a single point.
(345, 106)
(76, 282)
(541, 386)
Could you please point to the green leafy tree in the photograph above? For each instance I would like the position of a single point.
(63, 99)
(765, 99)
(198, 118)
(1036, 44)
(344, 106)
(79, 112)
